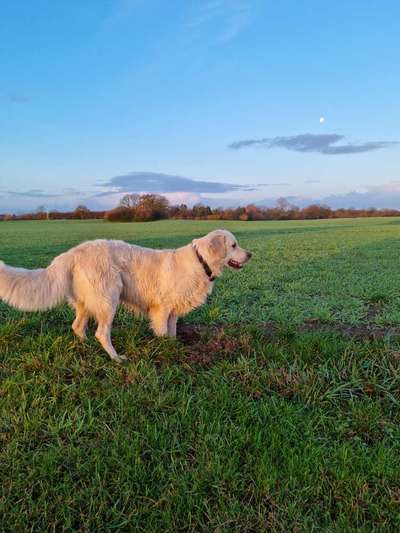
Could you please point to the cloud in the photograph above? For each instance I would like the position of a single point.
(188, 198)
(225, 18)
(235, 24)
(273, 184)
(385, 195)
(120, 10)
(70, 191)
(312, 181)
(107, 194)
(34, 193)
(381, 196)
(154, 182)
(325, 144)
(24, 201)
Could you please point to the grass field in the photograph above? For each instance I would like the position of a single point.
(276, 409)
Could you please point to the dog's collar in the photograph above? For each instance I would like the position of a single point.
(205, 265)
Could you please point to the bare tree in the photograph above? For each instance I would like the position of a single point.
(130, 200)
(283, 204)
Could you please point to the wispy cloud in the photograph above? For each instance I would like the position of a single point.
(120, 10)
(238, 20)
(24, 201)
(40, 193)
(70, 191)
(34, 193)
(166, 183)
(226, 18)
(326, 144)
(273, 184)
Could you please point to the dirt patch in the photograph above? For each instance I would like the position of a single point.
(205, 346)
(190, 333)
(374, 311)
(362, 331)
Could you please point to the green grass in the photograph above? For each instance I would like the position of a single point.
(265, 423)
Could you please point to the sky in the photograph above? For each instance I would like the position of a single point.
(225, 102)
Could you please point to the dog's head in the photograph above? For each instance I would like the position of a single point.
(220, 248)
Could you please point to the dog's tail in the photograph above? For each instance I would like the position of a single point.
(34, 290)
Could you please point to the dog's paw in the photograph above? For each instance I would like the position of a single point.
(119, 358)
(79, 333)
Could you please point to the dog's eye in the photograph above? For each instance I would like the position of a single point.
(234, 245)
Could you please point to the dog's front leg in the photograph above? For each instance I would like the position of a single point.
(159, 320)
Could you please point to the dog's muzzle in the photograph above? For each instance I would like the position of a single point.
(237, 264)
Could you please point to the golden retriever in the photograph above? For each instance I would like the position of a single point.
(96, 276)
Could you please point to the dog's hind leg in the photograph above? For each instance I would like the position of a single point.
(104, 314)
(105, 317)
(172, 320)
(81, 320)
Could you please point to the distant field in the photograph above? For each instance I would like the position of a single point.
(276, 408)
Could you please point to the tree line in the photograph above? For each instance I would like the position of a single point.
(79, 213)
(148, 207)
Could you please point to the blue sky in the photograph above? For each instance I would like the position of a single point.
(211, 100)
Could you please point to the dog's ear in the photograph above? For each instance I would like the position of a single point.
(200, 244)
(217, 245)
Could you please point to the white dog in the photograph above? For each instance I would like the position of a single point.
(97, 275)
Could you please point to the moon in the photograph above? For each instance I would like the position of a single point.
(321, 120)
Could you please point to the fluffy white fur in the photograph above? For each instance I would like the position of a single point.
(98, 275)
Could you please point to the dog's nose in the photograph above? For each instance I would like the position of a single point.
(249, 254)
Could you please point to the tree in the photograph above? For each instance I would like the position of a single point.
(201, 211)
(131, 201)
(283, 204)
(183, 211)
(151, 207)
(120, 214)
(41, 213)
(81, 211)
(252, 212)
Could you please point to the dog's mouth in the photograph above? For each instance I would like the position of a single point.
(235, 264)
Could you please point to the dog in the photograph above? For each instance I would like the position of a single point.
(96, 276)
